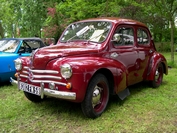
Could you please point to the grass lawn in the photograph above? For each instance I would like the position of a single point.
(146, 110)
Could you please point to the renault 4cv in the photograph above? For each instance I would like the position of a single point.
(92, 60)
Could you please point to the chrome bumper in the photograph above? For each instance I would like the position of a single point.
(13, 81)
(51, 93)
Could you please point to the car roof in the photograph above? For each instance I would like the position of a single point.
(27, 38)
(116, 20)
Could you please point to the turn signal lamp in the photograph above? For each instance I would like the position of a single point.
(68, 85)
(16, 75)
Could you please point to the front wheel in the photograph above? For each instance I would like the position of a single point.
(97, 96)
(158, 76)
(32, 97)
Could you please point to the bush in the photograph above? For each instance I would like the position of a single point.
(163, 46)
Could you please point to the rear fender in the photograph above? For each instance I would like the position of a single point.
(155, 60)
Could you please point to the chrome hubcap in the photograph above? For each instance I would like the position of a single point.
(96, 96)
(157, 75)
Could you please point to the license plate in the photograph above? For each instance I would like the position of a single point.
(30, 88)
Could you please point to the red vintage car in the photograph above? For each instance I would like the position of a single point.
(93, 60)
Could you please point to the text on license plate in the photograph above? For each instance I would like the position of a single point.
(30, 88)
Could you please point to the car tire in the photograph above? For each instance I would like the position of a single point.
(32, 97)
(158, 76)
(96, 97)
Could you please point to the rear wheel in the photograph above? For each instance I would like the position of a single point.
(32, 97)
(97, 96)
(158, 76)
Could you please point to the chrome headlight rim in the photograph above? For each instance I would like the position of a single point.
(18, 64)
(66, 71)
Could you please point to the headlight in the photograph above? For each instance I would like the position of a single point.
(18, 64)
(66, 71)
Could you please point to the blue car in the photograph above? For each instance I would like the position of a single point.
(13, 48)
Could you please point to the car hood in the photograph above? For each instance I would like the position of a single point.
(46, 54)
(6, 53)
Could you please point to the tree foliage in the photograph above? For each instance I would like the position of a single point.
(48, 18)
(168, 8)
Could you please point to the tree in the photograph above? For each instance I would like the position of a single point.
(1, 30)
(168, 8)
(33, 17)
(65, 12)
(5, 19)
(22, 18)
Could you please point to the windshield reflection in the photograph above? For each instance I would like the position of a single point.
(8, 45)
(96, 31)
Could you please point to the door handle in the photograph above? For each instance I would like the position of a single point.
(150, 51)
(114, 55)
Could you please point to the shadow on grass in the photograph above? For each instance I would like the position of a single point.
(62, 107)
(134, 89)
(5, 84)
(59, 106)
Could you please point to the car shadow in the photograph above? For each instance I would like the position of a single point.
(61, 107)
(134, 89)
(2, 84)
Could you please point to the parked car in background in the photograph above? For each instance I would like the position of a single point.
(13, 48)
(93, 60)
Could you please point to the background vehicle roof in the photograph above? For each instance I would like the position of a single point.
(26, 38)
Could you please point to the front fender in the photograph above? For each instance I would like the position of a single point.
(89, 66)
(7, 68)
(155, 60)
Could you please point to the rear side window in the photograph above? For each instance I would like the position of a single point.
(142, 37)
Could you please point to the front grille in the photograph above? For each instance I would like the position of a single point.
(41, 76)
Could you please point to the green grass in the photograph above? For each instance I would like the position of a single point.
(168, 57)
(146, 110)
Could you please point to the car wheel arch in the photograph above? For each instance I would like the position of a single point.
(153, 69)
(110, 77)
(155, 60)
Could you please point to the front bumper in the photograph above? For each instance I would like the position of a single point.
(51, 93)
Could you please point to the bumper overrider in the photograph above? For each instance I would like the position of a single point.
(49, 92)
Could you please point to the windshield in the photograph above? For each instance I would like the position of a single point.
(8, 45)
(95, 31)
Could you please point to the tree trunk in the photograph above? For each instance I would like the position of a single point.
(172, 40)
(1, 31)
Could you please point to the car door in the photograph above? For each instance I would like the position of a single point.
(145, 50)
(123, 50)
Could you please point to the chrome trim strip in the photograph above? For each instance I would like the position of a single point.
(26, 72)
(26, 67)
(24, 76)
(60, 94)
(44, 71)
(46, 76)
(42, 76)
(47, 81)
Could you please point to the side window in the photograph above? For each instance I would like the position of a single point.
(123, 36)
(28, 46)
(142, 37)
(22, 48)
(33, 44)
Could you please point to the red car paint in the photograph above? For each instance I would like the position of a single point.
(122, 65)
